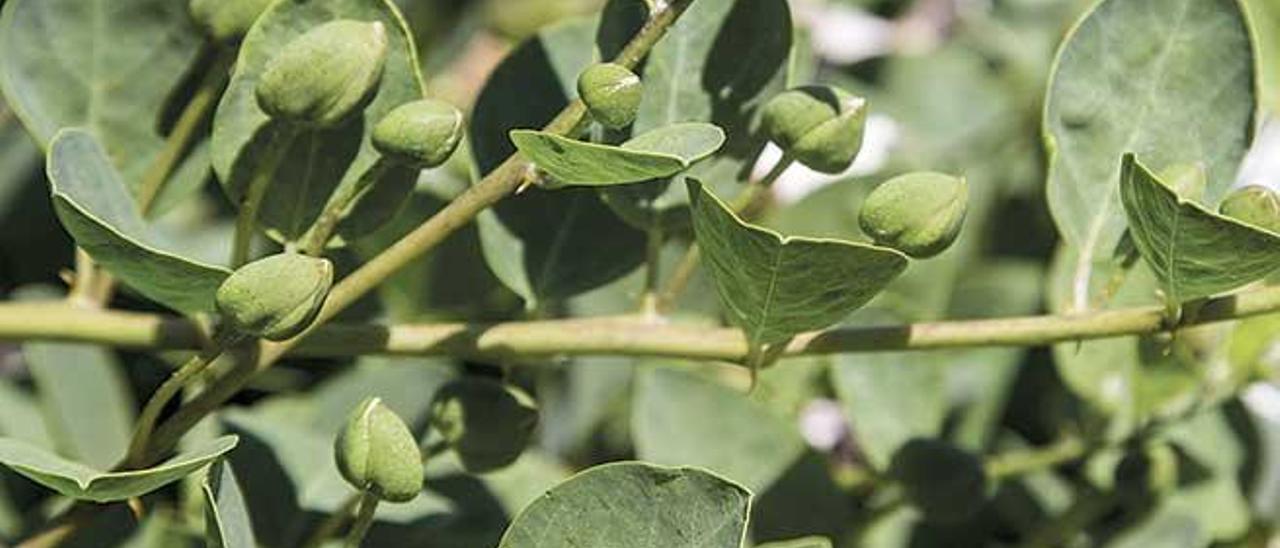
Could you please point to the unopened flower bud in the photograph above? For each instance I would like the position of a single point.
(820, 126)
(1256, 205)
(422, 134)
(612, 93)
(325, 76)
(919, 214)
(227, 21)
(376, 453)
(275, 298)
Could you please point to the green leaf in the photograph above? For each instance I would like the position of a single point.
(110, 66)
(891, 399)
(679, 418)
(635, 505)
(92, 203)
(319, 164)
(532, 241)
(1193, 251)
(80, 482)
(86, 399)
(227, 522)
(775, 287)
(1135, 76)
(658, 154)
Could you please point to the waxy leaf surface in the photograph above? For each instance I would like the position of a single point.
(658, 154)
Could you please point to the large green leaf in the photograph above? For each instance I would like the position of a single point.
(679, 418)
(227, 522)
(86, 400)
(775, 287)
(93, 205)
(318, 163)
(635, 505)
(533, 242)
(1170, 80)
(891, 399)
(1193, 251)
(80, 482)
(657, 154)
(110, 66)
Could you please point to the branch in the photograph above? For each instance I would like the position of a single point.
(617, 336)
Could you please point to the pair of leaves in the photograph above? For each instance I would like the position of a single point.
(658, 154)
(91, 201)
(80, 482)
(319, 164)
(775, 287)
(110, 66)
(1193, 251)
(1135, 76)
(635, 505)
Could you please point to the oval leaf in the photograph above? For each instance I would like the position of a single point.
(227, 523)
(80, 482)
(319, 164)
(1194, 252)
(1134, 76)
(92, 203)
(635, 505)
(107, 65)
(658, 154)
(775, 287)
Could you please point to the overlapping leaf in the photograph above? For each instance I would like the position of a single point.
(227, 523)
(318, 163)
(658, 154)
(110, 66)
(1173, 81)
(94, 206)
(635, 505)
(534, 241)
(80, 482)
(1193, 251)
(775, 287)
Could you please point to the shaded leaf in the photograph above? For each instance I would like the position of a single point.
(107, 65)
(93, 205)
(1134, 76)
(531, 241)
(227, 522)
(80, 482)
(891, 398)
(807, 542)
(658, 154)
(319, 164)
(775, 287)
(1193, 251)
(86, 399)
(635, 505)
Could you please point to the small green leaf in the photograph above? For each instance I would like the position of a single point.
(1193, 251)
(227, 523)
(319, 164)
(658, 154)
(635, 505)
(80, 482)
(94, 206)
(775, 287)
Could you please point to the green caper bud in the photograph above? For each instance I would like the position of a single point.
(944, 482)
(323, 77)
(820, 126)
(1254, 204)
(488, 425)
(376, 453)
(275, 298)
(612, 93)
(227, 21)
(919, 214)
(1146, 472)
(421, 134)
